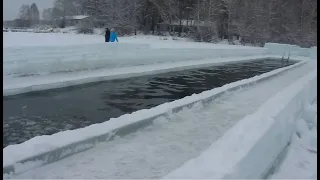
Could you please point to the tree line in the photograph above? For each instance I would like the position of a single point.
(280, 21)
(28, 15)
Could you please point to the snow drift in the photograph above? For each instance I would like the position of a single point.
(251, 147)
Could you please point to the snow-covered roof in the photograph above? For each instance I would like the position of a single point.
(184, 22)
(77, 17)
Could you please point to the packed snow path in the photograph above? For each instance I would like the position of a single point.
(158, 149)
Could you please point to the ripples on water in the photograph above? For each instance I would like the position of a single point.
(47, 112)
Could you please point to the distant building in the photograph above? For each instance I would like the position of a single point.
(45, 22)
(8, 24)
(74, 20)
(21, 23)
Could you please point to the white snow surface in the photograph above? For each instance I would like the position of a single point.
(171, 141)
(251, 147)
(17, 39)
(43, 61)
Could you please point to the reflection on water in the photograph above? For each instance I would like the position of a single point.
(47, 112)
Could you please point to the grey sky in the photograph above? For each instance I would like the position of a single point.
(11, 7)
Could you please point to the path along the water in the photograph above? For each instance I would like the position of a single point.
(158, 149)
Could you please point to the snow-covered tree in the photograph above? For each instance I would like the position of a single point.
(70, 7)
(284, 21)
(34, 15)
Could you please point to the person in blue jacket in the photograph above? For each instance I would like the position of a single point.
(113, 36)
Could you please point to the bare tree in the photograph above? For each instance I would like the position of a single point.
(56, 13)
(70, 7)
(24, 12)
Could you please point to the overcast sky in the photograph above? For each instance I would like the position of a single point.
(11, 7)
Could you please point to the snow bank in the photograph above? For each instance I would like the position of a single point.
(48, 149)
(251, 147)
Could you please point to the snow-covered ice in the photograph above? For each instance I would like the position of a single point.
(43, 61)
(171, 141)
(22, 39)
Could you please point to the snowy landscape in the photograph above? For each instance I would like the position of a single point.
(160, 89)
(231, 150)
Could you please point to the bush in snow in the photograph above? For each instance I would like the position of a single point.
(174, 38)
(85, 28)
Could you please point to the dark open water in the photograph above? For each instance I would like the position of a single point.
(47, 112)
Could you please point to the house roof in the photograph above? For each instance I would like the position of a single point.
(185, 22)
(77, 17)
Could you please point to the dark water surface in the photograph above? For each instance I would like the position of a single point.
(47, 112)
